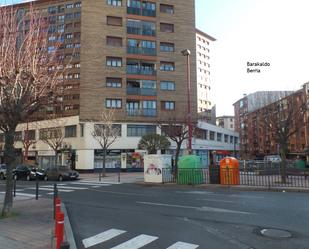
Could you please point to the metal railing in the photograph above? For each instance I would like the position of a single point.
(140, 70)
(269, 176)
(141, 12)
(141, 51)
(141, 91)
(142, 112)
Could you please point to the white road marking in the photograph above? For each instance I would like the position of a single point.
(102, 237)
(204, 199)
(22, 194)
(51, 189)
(64, 187)
(89, 184)
(183, 245)
(206, 209)
(136, 242)
(98, 182)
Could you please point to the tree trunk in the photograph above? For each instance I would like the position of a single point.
(104, 163)
(178, 147)
(283, 164)
(9, 159)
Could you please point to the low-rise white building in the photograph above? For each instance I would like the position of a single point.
(82, 152)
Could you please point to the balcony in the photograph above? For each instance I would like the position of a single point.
(142, 112)
(141, 31)
(141, 91)
(141, 12)
(142, 51)
(133, 69)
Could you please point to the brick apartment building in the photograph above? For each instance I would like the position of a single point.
(253, 113)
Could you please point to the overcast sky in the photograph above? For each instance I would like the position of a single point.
(273, 31)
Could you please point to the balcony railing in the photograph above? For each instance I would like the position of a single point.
(140, 70)
(141, 12)
(141, 31)
(142, 112)
(141, 91)
(143, 51)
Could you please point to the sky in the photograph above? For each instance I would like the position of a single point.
(272, 31)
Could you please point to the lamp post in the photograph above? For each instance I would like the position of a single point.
(187, 53)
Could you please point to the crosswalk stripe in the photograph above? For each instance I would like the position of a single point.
(65, 187)
(89, 184)
(22, 194)
(98, 182)
(51, 189)
(182, 245)
(102, 237)
(136, 242)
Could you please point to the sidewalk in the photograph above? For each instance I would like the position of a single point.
(31, 228)
(125, 177)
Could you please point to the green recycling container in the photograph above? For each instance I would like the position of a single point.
(190, 171)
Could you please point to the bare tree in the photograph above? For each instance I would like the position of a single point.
(284, 119)
(25, 80)
(54, 138)
(27, 141)
(178, 132)
(105, 133)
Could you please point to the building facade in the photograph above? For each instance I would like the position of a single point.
(226, 122)
(204, 44)
(258, 139)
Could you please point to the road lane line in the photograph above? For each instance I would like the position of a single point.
(204, 199)
(136, 242)
(102, 237)
(183, 245)
(206, 209)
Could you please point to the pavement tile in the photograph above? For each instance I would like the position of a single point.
(31, 228)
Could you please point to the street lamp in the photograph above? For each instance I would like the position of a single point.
(187, 53)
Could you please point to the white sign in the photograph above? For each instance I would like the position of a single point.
(46, 153)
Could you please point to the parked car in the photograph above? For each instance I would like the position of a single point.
(2, 171)
(272, 158)
(28, 172)
(61, 173)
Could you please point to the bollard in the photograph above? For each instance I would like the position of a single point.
(55, 196)
(14, 187)
(59, 229)
(36, 187)
(119, 174)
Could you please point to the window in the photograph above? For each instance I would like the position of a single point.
(138, 27)
(167, 85)
(18, 136)
(114, 2)
(226, 138)
(219, 137)
(69, 16)
(52, 38)
(167, 66)
(69, 6)
(167, 27)
(69, 45)
(48, 133)
(70, 131)
(81, 129)
(78, 5)
(77, 15)
(168, 105)
(165, 8)
(140, 130)
(167, 47)
(68, 36)
(103, 130)
(114, 41)
(51, 49)
(231, 139)
(113, 82)
(113, 103)
(211, 135)
(113, 62)
(76, 76)
(52, 10)
(114, 21)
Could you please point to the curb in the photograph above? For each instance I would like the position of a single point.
(227, 187)
(67, 228)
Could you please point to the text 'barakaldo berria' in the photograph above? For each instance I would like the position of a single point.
(256, 67)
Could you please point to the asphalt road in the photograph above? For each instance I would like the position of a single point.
(125, 215)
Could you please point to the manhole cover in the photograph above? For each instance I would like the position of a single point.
(276, 233)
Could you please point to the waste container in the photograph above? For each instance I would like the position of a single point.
(229, 171)
(190, 171)
(214, 174)
(156, 167)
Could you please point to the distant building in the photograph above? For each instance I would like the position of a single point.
(252, 113)
(203, 51)
(226, 122)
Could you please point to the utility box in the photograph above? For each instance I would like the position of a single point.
(156, 167)
(229, 171)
